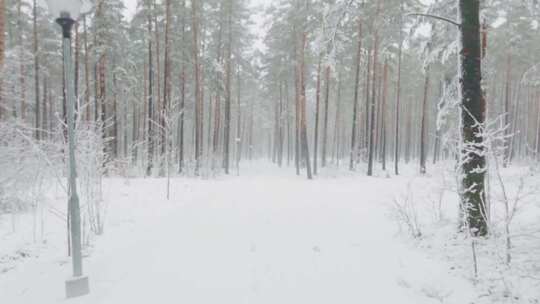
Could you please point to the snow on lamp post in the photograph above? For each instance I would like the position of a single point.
(67, 11)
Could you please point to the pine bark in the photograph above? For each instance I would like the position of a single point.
(473, 117)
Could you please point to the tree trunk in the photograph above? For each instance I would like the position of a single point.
(103, 100)
(372, 124)
(383, 114)
(115, 118)
(473, 117)
(297, 152)
(150, 122)
(165, 106)
(182, 94)
(228, 80)
(355, 98)
(303, 123)
(327, 81)
(337, 122)
(196, 64)
(36, 73)
(398, 95)
(317, 107)
(22, 79)
(238, 138)
(423, 127)
(507, 117)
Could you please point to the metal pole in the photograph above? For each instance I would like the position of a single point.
(66, 22)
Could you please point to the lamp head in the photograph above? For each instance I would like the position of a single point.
(68, 8)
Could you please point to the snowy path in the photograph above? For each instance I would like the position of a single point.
(276, 239)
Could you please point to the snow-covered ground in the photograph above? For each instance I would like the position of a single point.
(267, 236)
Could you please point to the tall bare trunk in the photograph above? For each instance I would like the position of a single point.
(36, 73)
(372, 129)
(355, 114)
(150, 122)
(398, 95)
(196, 64)
(166, 86)
(182, 93)
(239, 138)
(327, 81)
(317, 110)
(383, 114)
(507, 116)
(228, 80)
(423, 125)
(303, 120)
(22, 78)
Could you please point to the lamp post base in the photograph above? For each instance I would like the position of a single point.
(77, 286)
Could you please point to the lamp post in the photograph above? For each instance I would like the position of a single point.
(67, 10)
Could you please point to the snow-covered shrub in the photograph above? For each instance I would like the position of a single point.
(23, 168)
(405, 212)
(90, 160)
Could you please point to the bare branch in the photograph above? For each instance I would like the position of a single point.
(435, 17)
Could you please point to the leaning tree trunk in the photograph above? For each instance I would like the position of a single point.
(473, 161)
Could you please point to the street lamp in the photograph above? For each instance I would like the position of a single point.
(68, 11)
